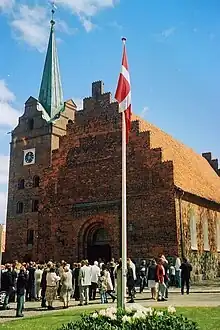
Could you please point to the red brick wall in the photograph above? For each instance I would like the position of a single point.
(87, 169)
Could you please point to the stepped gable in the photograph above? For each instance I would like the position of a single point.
(192, 172)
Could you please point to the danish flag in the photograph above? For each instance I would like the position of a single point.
(123, 91)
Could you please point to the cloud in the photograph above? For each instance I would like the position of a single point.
(4, 167)
(31, 25)
(5, 94)
(115, 25)
(79, 103)
(9, 115)
(6, 4)
(168, 32)
(87, 24)
(144, 111)
(3, 206)
(165, 34)
(63, 27)
(85, 9)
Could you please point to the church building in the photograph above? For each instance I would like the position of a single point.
(64, 194)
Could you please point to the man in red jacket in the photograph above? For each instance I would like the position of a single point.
(160, 274)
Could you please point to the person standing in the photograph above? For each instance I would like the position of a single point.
(14, 271)
(133, 267)
(109, 290)
(178, 272)
(112, 272)
(166, 275)
(186, 269)
(21, 286)
(143, 275)
(38, 277)
(76, 294)
(84, 282)
(160, 274)
(51, 290)
(102, 284)
(44, 284)
(66, 286)
(152, 278)
(73, 279)
(95, 273)
(130, 282)
(30, 293)
(172, 275)
(7, 285)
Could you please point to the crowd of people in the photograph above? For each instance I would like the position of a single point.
(32, 281)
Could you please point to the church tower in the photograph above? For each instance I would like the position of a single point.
(37, 134)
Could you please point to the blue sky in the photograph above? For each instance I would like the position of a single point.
(173, 50)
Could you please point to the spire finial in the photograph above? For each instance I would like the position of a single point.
(52, 22)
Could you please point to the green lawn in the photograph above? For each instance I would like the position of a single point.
(207, 318)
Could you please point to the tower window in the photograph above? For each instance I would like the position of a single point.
(21, 184)
(30, 237)
(36, 181)
(31, 124)
(35, 205)
(20, 207)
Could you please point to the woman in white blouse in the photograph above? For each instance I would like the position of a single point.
(51, 289)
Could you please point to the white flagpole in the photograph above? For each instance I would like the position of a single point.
(124, 214)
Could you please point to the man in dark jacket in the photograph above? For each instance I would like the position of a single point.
(143, 275)
(14, 280)
(21, 286)
(44, 284)
(130, 283)
(30, 293)
(186, 269)
(7, 285)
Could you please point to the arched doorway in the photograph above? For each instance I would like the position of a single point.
(98, 245)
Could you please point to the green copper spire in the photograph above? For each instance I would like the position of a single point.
(51, 94)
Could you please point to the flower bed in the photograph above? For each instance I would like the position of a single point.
(134, 317)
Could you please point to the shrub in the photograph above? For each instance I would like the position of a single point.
(134, 318)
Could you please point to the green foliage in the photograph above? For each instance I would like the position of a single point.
(136, 318)
(205, 263)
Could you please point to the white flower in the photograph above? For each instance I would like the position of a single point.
(112, 310)
(128, 309)
(102, 312)
(113, 317)
(159, 313)
(109, 314)
(139, 315)
(95, 315)
(148, 310)
(126, 318)
(171, 310)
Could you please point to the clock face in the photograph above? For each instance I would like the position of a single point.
(29, 157)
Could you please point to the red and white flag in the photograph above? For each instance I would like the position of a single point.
(123, 92)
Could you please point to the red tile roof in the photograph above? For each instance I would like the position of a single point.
(192, 172)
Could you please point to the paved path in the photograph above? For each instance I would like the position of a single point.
(195, 299)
